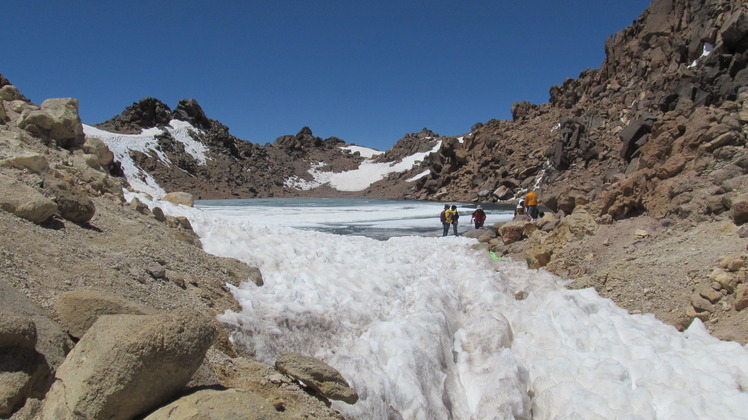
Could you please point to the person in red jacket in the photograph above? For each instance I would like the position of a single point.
(479, 217)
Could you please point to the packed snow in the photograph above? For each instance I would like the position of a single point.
(363, 151)
(430, 328)
(425, 327)
(145, 142)
(706, 50)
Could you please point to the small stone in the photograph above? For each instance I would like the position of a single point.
(158, 214)
(521, 295)
(276, 379)
(708, 293)
(732, 262)
(156, 270)
(184, 222)
(741, 297)
(279, 405)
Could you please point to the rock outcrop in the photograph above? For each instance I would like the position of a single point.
(321, 377)
(23, 371)
(77, 310)
(211, 404)
(126, 365)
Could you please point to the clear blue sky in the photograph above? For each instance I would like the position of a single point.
(366, 71)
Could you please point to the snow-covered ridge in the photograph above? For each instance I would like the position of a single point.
(145, 142)
(359, 179)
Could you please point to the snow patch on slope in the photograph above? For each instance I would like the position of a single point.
(359, 179)
(145, 142)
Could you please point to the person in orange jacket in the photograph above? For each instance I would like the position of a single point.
(531, 202)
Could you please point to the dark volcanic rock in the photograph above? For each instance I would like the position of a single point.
(189, 110)
(304, 140)
(148, 113)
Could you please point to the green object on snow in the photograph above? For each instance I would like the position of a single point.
(496, 257)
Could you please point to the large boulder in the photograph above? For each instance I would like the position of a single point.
(24, 201)
(126, 365)
(22, 369)
(35, 121)
(319, 376)
(576, 225)
(34, 162)
(96, 147)
(212, 404)
(739, 209)
(73, 204)
(51, 341)
(635, 135)
(512, 231)
(66, 129)
(180, 198)
(734, 32)
(17, 331)
(78, 310)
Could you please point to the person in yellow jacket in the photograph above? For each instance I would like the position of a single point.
(453, 216)
(446, 218)
(531, 203)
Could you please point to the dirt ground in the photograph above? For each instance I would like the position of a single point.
(659, 272)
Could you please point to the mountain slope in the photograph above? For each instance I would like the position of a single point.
(184, 150)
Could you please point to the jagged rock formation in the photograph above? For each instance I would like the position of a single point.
(656, 99)
(653, 141)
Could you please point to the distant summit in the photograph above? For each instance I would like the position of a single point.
(151, 112)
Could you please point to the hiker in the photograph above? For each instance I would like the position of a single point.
(479, 216)
(520, 209)
(531, 201)
(453, 218)
(443, 216)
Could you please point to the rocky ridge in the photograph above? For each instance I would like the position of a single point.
(633, 159)
(234, 168)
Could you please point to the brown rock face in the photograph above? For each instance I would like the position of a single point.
(128, 364)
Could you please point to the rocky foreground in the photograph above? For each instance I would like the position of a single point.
(107, 309)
